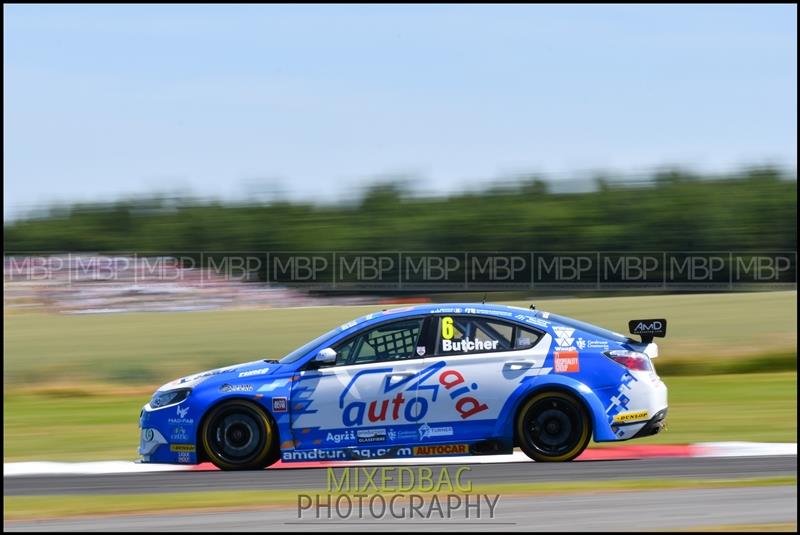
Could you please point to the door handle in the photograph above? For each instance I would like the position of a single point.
(519, 363)
(400, 374)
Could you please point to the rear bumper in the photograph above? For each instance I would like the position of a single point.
(654, 425)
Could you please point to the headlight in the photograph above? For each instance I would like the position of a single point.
(170, 397)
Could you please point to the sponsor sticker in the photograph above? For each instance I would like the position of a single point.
(366, 436)
(186, 448)
(236, 388)
(566, 362)
(280, 404)
(260, 371)
(179, 434)
(426, 431)
(181, 419)
(336, 438)
(442, 449)
(627, 417)
(402, 434)
(564, 336)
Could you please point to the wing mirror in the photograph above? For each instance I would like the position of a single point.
(325, 357)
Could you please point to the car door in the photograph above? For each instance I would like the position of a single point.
(369, 397)
(481, 361)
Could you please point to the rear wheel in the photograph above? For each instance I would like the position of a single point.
(552, 427)
(238, 435)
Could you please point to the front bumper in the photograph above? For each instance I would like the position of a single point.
(167, 436)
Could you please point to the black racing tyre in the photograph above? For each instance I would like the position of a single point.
(553, 427)
(238, 435)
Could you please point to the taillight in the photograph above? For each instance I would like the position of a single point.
(633, 360)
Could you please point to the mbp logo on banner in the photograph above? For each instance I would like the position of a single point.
(566, 270)
(433, 271)
(234, 266)
(631, 270)
(765, 268)
(697, 271)
(367, 270)
(310, 270)
(498, 270)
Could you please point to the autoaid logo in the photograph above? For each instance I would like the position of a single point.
(409, 399)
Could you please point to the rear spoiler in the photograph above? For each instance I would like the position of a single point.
(648, 329)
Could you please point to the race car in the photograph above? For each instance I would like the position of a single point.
(420, 381)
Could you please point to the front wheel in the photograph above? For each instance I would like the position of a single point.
(552, 427)
(238, 435)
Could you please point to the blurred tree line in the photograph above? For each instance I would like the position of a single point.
(754, 209)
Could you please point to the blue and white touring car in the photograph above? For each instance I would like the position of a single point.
(432, 380)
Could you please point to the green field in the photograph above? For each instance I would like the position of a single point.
(75, 384)
(153, 348)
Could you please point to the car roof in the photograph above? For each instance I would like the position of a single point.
(508, 312)
(505, 311)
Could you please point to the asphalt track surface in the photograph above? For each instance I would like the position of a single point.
(598, 510)
(315, 478)
(615, 511)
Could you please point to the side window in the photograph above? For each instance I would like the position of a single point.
(474, 334)
(390, 341)
(525, 338)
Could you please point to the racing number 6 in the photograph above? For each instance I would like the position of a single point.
(447, 328)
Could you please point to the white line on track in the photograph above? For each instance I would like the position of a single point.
(703, 449)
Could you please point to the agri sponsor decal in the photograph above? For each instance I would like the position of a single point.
(412, 398)
(362, 436)
(441, 449)
(336, 438)
(566, 362)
